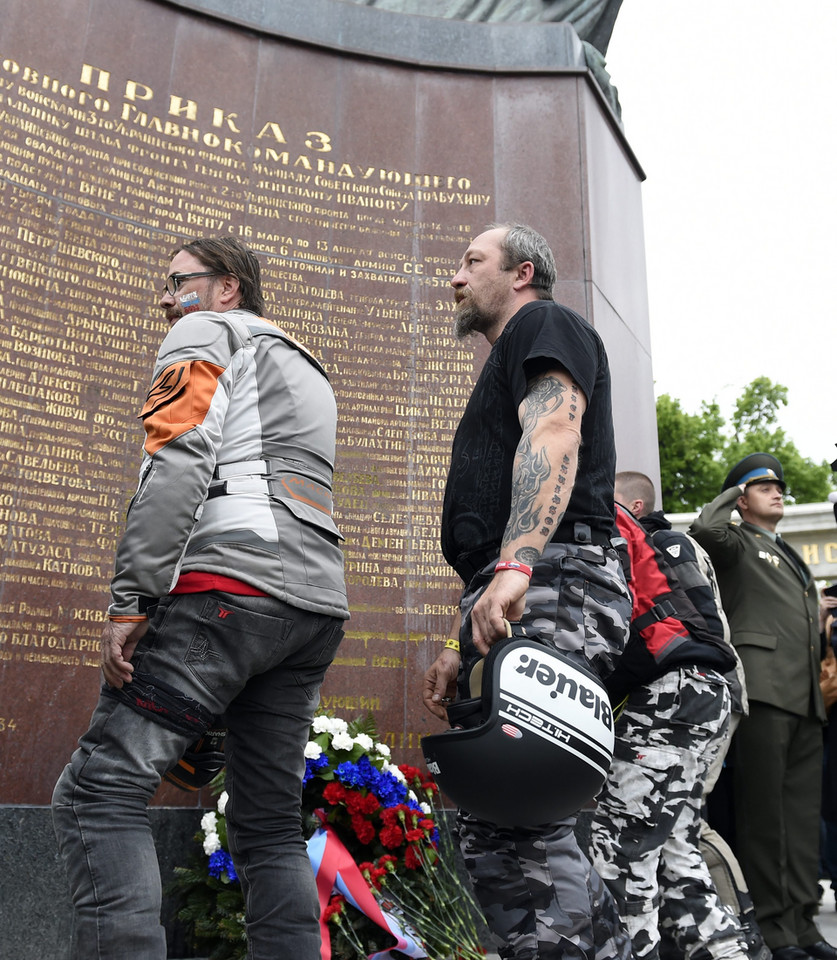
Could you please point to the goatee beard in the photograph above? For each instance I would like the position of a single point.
(468, 321)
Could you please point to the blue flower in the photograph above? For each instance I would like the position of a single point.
(369, 772)
(221, 862)
(389, 790)
(313, 767)
(349, 774)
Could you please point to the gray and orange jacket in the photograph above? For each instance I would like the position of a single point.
(237, 469)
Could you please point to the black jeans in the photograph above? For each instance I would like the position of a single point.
(256, 664)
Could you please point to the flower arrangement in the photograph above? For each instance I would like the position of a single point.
(395, 887)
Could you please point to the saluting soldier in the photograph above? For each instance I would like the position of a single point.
(770, 600)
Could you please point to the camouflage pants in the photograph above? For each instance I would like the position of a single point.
(538, 891)
(646, 829)
(577, 601)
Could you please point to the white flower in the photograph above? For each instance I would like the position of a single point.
(211, 843)
(382, 750)
(312, 750)
(362, 740)
(393, 769)
(412, 796)
(426, 808)
(342, 741)
(329, 725)
(209, 825)
(222, 802)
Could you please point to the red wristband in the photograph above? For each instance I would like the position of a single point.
(513, 565)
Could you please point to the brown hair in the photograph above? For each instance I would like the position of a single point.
(228, 256)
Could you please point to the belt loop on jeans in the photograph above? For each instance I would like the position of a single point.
(582, 533)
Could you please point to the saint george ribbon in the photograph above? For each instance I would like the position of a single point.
(335, 869)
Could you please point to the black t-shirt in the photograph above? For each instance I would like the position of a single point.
(541, 335)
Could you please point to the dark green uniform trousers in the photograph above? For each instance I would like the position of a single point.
(778, 785)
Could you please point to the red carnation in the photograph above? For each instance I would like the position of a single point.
(363, 828)
(357, 802)
(354, 801)
(411, 774)
(391, 837)
(334, 793)
(411, 859)
(334, 908)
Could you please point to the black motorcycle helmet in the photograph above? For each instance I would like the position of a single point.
(534, 747)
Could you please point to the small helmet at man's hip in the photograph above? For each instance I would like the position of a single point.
(535, 747)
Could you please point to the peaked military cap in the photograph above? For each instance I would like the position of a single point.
(754, 468)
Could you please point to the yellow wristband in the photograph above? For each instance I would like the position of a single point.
(451, 644)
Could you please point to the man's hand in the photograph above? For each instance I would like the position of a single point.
(440, 683)
(827, 607)
(501, 601)
(119, 640)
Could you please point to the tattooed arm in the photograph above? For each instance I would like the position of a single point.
(544, 473)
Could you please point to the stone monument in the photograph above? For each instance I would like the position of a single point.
(357, 150)
(592, 21)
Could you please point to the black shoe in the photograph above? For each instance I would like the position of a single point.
(821, 951)
(791, 953)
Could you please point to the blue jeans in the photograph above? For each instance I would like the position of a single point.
(256, 663)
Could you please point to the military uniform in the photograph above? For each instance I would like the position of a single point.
(770, 599)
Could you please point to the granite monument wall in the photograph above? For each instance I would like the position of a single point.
(356, 151)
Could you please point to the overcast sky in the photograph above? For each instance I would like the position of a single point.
(730, 108)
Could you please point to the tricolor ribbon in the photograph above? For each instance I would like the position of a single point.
(335, 869)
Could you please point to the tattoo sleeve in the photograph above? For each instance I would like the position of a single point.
(540, 487)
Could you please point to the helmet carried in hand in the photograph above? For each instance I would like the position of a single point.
(534, 747)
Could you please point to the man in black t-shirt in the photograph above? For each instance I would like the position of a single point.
(527, 523)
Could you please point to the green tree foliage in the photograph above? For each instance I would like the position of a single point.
(690, 471)
(697, 452)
